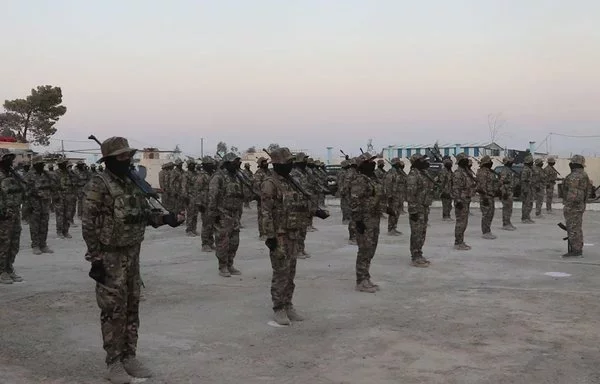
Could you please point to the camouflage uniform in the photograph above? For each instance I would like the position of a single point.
(39, 192)
(11, 196)
(176, 187)
(348, 180)
(26, 205)
(341, 176)
(419, 196)
(487, 186)
(82, 177)
(446, 190)
(366, 200)
(66, 194)
(225, 205)
(380, 171)
(314, 189)
(539, 185)
(463, 188)
(163, 183)
(55, 186)
(302, 177)
(73, 206)
(575, 191)
(402, 177)
(248, 193)
(506, 179)
(550, 175)
(260, 176)
(191, 193)
(208, 226)
(392, 190)
(527, 190)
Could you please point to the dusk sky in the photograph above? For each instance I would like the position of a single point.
(309, 74)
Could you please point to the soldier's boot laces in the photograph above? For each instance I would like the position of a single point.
(46, 250)
(135, 368)
(234, 271)
(420, 262)
(224, 272)
(116, 374)
(364, 286)
(489, 236)
(293, 315)
(36, 251)
(372, 284)
(462, 247)
(5, 278)
(16, 278)
(281, 317)
(206, 248)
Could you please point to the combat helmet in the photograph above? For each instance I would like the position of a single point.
(578, 159)
(230, 157)
(485, 160)
(528, 159)
(551, 160)
(415, 158)
(5, 153)
(461, 156)
(365, 157)
(261, 159)
(507, 160)
(300, 157)
(38, 160)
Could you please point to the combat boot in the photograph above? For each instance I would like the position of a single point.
(60, 236)
(206, 248)
(527, 221)
(68, 236)
(447, 219)
(420, 262)
(36, 251)
(364, 286)
(73, 225)
(292, 314)
(462, 247)
(281, 317)
(5, 278)
(376, 286)
(135, 368)
(306, 254)
(234, 271)
(393, 232)
(489, 236)
(508, 227)
(46, 250)
(116, 374)
(16, 278)
(224, 272)
(573, 254)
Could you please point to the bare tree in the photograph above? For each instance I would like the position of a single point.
(495, 123)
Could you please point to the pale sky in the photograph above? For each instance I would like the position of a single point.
(310, 74)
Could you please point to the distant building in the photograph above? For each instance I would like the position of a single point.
(471, 149)
(22, 151)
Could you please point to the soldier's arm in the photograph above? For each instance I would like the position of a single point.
(457, 184)
(94, 208)
(214, 190)
(268, 194)
(357, 200)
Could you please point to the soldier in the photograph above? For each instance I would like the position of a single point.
(506, 180)
(539, 186)
(115, 216)
(419, 196)
(300, 174)
(66, 196)
(575, 192)
(191, 193)
(284, 213)
(261, 174)
(551, 176)
(26, 205)
(366, 199)
(163, 178)
(348, 180)
(343, 201)
(380, 170)
(392, 192)
(527, 190)
(39, 192)
(176, 186)
(248, 193)
(463, 188)
(225, 205)
(446, 189)
(82, 177)
(11, 196)
(487, 187)
(207, 235)
(313, 189)
(93, 169)
(403, 180)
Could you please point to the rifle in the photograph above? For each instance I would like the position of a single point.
(244, 180)
(346, 156)
(564, 227)
(141, 184)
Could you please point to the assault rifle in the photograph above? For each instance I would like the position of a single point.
(244, 180)
(346, 156)
(564, 227)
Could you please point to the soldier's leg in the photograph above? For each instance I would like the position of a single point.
(15, 242)
(373, 238)
(423, 236)
(487, 215)
(301, 247)
(280, 263)
(362, 257)
(234, 244)
(416, 229)
(44, 221)
(290, 245)
(574, 223)
(259, 217)
(79, 205)
(402, 200)
(526, 210)
(539, 198)
(191, 218)
(133, 301)
(34, 223)
(222, 233)
(5, 237)
(57, 212)
(461, 215)
(549, 197)
(393, 219)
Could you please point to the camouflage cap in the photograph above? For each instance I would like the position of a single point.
(508, 159)
(191, 161)
(300, 157)
(539, 161)
(416, 157)
(228, 158)
(261, 159)
(352, 161)
(447, 160)
(461, 156)
(38, 160)
(208, 160)
(6, 153)
(528, 159)
(365, 157)
(380, 162)
(551, 160)
(485, 160)
(578, 159)
(247, 165)
(395, 161)
(310, 160)
(114, 146)
(80, 162)
(344, 163)
(178, 161)
(282, 156)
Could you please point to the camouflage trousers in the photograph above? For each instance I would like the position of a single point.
(165, 199)
(191, 218)
(539, 200)
(574, 223)
(301, 239)
(26, 210)
(367, 245)
(527, 201)
(402, 200)
(507, 209)
(10, 236)
(418, 232)
(549, 197)
(80, 205)
(178, 204)
(446, 207)
(208, 230)
(283, 263)
(38, 222)
(261, 231)
(62, 211)
(322, 199)
(227, 239)
(462, 221)
(393, 219)
(119, 302)
(345, 206)
(72, 208)
(487, 214)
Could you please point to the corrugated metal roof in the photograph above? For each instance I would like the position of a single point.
(442, 145)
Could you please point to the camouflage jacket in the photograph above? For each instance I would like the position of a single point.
(527, 180)
(538, 178)
(39, 185)
(445, 179)
(506, 179)
(204, 183)
(550, 174)
(163, 177)
(463, 185)
(115, 214)
(576, 189)
(283, 207)
(11, 195)
(419, 191)
(81, 179)
(380, 174)
(348, 179)
(487, 183)
(175, 182)
(366, 198)
(340, 181)
(393, 188)
(65, 184)
(192, 186)
(303, 178)
(225, 196)
(260, 176)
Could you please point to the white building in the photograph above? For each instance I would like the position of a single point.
(446, 149)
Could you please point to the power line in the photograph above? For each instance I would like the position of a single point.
(576, 136)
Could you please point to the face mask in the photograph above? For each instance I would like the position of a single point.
(39, 168)
(448, 165)
(283, 169)
(575, 166)
(367, 168)
(422, 165)
(209, 168)
(81, 167)
(231, 167)
(119, 168)
(302, 165)
(7, 163)
(486, 165)
(263, 166)
(463, 163)
(62, 167)
(191, 167)
(509, 165)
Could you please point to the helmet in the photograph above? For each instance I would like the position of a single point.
(507, 159)
(38, 160)
(551, 160)
(208, 160)
(300, 157)
(578, 159)
(364, 158)
(380, 162)
(395, 161)
(539, 161)
(230, 157)
(461, 156)
(261, 159)
(528, 159)
(6, 153)
(178, 161)
(486, 160)
(416, 157)
(281, 156)
(115, 146)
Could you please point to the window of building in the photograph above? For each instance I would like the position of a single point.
(408, 154)
(418, 152)
(446, 151)
(399, 154)
(476, 151)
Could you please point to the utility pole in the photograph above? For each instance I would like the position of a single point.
(202, 147)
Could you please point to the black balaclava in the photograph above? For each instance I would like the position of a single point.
(509, 164)
(7, 163)
(448, 164)
(179, 166)
(209, 168)
(81, 167)
(463, 163)
(301, 165)
(232, 166)
(575, 166)
(191, 167)
(380, 166)
(367, 168)
(62, 166)
(540, 165)
(26, 168)
(118, 167)
(39, 167)
(422, 164)
(283, 169)
(263, 165)
(487, 165)
(396, 166)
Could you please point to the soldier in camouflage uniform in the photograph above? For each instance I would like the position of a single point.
(366, 199)
(380, 170)
(115, 216)
(403, 181)
(163, 183)
(248, 193)
(463, 188)
(313, 189)
(52, 174)
(550, 175)
(446, 189)
(527, 190)
(66, 195)
(300, 174)
(209, 166)
(419, 196)
(392, 193)
(191, 192)
(576, 189)
(343, 201)
(176, 186)
(348, 180)
(225, 205)
(39, 193)
(487, 187)
(506, 180)
(82, 177)
(284, 212)
(12, 191)
(26, 205)
(540, 186)
(261, 174)
(93, 169)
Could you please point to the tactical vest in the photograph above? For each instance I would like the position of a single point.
(126, 224)
(42, 185)
(291, 206)
(233, 195)
(11, 195)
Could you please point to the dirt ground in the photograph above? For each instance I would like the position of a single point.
(489, 315)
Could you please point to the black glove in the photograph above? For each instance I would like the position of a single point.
(505, 196)
(171, 219)
(97, 271)
(459, 205)
(413, 217)
(322, 214)
(271, 243)
(485, 201)
(202, 209)
(445, 195)
(360, 227)
(390, 211)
